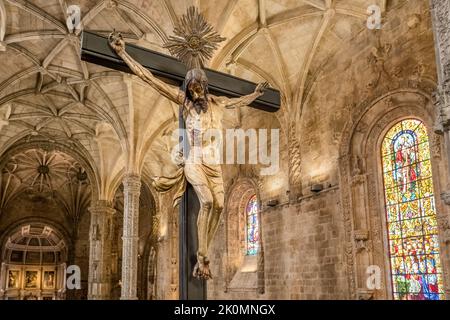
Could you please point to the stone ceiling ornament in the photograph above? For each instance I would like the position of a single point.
(45, 174)
(81, 175)
(194, 41)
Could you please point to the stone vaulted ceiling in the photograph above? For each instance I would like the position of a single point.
(41, 175)
(46, 92)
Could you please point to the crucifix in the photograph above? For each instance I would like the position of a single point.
(198, 183)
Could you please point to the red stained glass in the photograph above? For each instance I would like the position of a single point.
(416, 271)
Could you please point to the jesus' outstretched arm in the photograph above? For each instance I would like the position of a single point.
(170, 92)
(231, 103)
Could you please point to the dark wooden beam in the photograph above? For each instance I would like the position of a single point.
(189, 287)
(95, 49)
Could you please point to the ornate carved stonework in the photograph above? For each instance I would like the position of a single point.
(445, 196)
(446, 230)
(294, 157)
(131, 191)
(440, 10)
(425, 89)
(361, 193)
(435, 144)
(100, 250)
(441, 99)
(361, 237)
(358, 179)
(376, 60)
(111, 4)
(364, 294)
(357, 165)
(344, 168)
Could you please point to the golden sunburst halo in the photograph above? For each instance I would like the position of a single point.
(194, 39)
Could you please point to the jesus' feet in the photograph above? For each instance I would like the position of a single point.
(201, 269)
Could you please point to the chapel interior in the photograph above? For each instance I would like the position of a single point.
(358, 209)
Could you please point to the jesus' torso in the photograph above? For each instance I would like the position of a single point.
(203, 129)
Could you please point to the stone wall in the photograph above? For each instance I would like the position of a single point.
(303, 249)
(303, 252)
(309, 242)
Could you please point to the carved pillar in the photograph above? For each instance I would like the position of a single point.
(345, 182)
(174, 250)
(3, 278)
(100, 238)
(361, 224)
(61, 282)
(295, 186)
(440, 11)
(131, 192)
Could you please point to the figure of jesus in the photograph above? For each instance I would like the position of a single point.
(201, 112)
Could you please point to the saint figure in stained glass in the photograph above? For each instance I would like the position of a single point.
(416, 272)
(252, 226)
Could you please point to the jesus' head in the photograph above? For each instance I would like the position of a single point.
(197, 89)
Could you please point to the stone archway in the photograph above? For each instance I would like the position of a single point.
(234, 262)
(362, 185)
(35, 254)
(51, 181)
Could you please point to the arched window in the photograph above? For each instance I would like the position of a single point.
(252, 226)
(416, 271)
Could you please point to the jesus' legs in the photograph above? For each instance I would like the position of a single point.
(201, 270)
(208, 185)
(216, 212)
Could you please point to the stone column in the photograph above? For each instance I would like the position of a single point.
(100, 238)
(131, 192)
(3, 278)
(440, 11)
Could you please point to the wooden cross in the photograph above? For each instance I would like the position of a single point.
(95, 49)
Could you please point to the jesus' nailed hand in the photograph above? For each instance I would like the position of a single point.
(201, 112)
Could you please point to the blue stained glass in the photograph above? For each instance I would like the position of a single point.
(416, 271)
(252, 226)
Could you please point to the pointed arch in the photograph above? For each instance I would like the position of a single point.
(412, 230)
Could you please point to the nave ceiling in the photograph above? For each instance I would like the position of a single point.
(47, 93)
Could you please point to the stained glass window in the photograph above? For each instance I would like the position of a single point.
(252, 226)
(411, 213)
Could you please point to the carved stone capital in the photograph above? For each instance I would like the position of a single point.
(358, 179)
(361, 234)
(445, 196)
(441, 100)
(444, 222)
(102, 207)
(440, 12)
(132, 184)
(446, 236)
(365, 294)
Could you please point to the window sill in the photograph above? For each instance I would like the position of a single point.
(245, 279)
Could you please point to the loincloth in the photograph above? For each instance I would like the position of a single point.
(194, 173)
